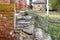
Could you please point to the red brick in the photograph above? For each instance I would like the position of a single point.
(20, 4)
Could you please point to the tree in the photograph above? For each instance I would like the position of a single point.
(55, 4)
(30, 4)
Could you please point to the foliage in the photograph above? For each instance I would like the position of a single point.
(30, 2)
(25, 13)
(45, 23)
(55, 4)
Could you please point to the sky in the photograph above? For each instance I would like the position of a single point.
(28, 1)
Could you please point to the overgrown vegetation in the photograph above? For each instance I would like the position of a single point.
(26, 13)
(49, 25)
(55, 4)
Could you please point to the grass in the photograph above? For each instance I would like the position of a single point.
(43, 13)
(52, 28)
(54, 31)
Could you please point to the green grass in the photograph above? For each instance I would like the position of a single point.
(44, 13)
(38, 11)
(54, 31)
(47, 26)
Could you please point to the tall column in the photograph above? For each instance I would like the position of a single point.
(47, 7)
